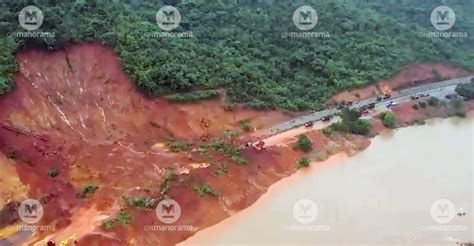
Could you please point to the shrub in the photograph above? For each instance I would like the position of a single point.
(124, 218)
(230, 107)
(229, 134)
(203, 189)
(108, 225)
(433, 101)
(360, 126)
(238, 160)
(53, 172)
(245, 126)
(304, 143)
(388, 119)
(88, 190)
(229, 151)
(177, 145)
(457, 108)
(415, 106)
(327, 130)
(220, 170)
(141, 202)
(302, 163)
(422, 104)
(165, 184)
(466, 90)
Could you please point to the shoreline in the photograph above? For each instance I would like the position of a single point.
(80, 147)
(202, 237)
(264, 199)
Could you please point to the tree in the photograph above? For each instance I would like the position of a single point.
(388, 119)
(351, 122)
(457, 108)
(466, 90)
(433, 101)
(360, 126)
(256, 67)
(304, 143)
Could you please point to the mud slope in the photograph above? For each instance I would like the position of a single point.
(76, 111)
(413, 75)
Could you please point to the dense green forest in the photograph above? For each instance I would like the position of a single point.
(238, 45)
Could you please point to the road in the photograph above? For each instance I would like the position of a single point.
(438, 89)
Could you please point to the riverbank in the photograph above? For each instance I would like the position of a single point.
(382, 195)
(77, 137)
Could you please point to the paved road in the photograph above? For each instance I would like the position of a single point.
(439, 89)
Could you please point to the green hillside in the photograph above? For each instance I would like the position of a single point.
(238, 45)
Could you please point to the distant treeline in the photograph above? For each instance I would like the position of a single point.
(238, 45)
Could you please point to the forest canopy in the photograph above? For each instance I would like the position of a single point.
(237, 45)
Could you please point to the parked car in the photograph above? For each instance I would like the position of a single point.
(414, 97)
(451, 96)
(386, 96)
(326, 118)
(308, 124)
(371, 105)
(391, 104)
(424, 95)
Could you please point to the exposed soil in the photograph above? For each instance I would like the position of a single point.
(407, 115)
(76, 111)
(413, 75)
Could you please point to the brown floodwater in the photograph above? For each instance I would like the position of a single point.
(381, 196)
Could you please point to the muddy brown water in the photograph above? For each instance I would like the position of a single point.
(381, 196)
